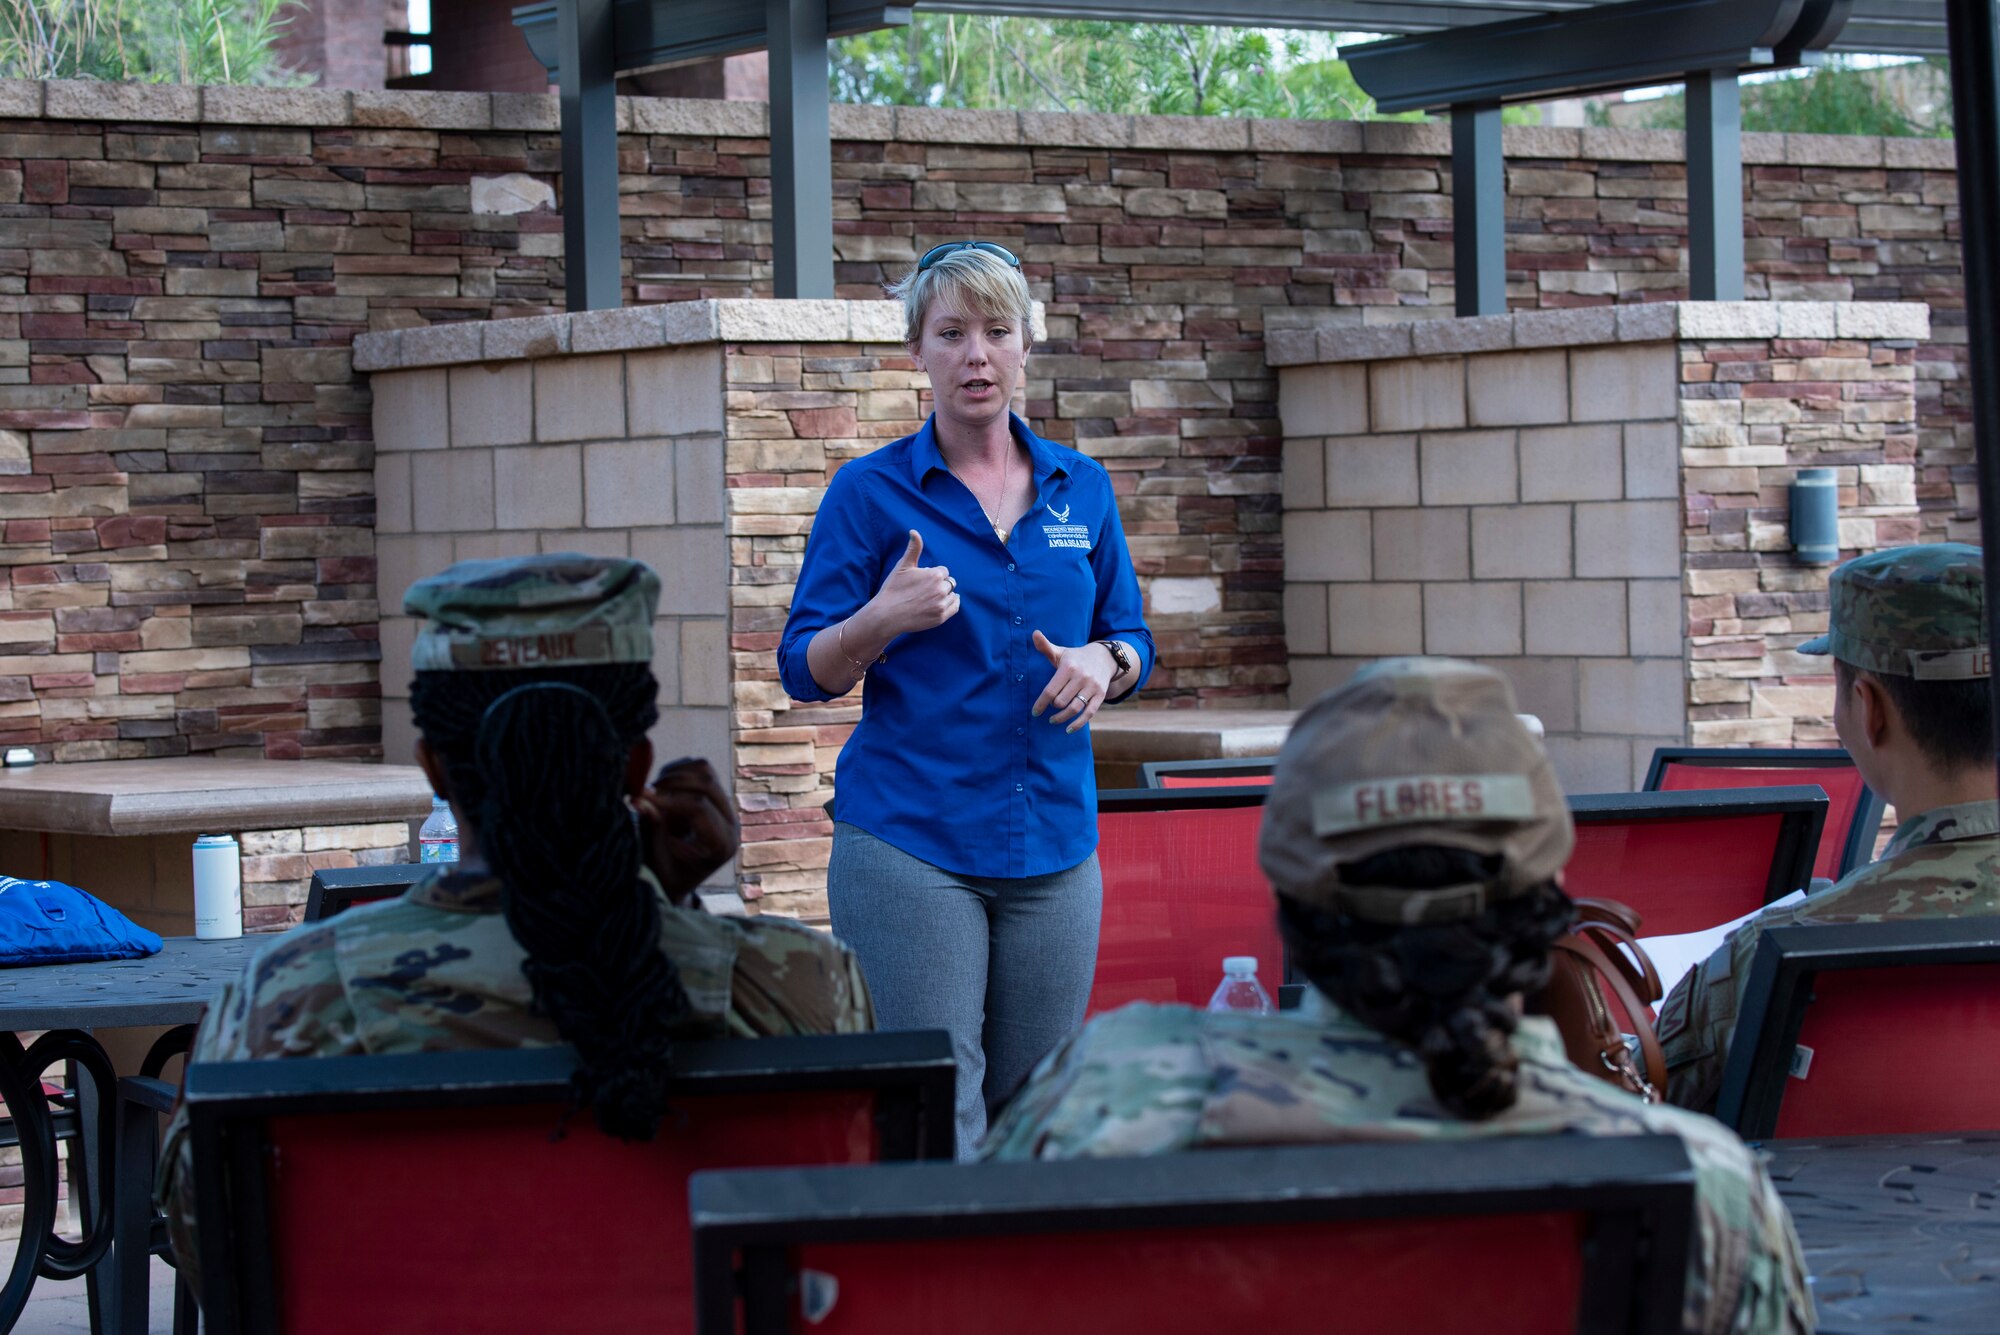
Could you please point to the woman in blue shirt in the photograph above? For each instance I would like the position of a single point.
(977, 576)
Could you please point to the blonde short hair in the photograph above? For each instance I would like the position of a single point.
(977, 281)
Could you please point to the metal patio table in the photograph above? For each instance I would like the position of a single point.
(68, 1001)
(1899, 1231)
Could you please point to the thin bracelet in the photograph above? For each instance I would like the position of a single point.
(840, 639)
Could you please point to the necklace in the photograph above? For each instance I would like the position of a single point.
(991, 516)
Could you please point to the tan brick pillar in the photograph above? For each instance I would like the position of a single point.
(1594, 502)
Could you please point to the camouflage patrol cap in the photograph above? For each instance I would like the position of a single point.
(1413, 751)
(560, 610)
(1910, 612)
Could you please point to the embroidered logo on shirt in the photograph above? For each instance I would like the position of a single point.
(1062, 515)
(1068, 535)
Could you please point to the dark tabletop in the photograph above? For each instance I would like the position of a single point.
(1899, 1231)
(168, 988)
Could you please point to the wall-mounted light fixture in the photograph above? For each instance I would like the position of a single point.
(1816, 517)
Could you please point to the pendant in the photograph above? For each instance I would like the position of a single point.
(1001, 534)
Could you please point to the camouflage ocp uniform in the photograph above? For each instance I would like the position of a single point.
(437, 970)
(1943, 864)
(1148, 1080)
(1411, 753)
(1917, 612)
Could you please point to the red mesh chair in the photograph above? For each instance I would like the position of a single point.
(336, 888)
(1688, 861)
(1854, 814)
(435, 1192)
(1861, 1029)
(1182, 890)
(1251, 772)
(1501, 1236)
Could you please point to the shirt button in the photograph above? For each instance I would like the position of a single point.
(1020, 676)
(1017, 621)
(1017, 787)
(1020, 732)
(1010, 565)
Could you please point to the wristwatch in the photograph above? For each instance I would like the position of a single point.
(1118, 656)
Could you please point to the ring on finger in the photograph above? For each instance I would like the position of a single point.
(952, 582)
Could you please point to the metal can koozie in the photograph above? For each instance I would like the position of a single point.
(218, 888)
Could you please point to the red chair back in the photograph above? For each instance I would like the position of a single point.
(1511, 1275)
(526, 1219)
(1688, 861)
(1517, 1234)
(534, 1234)
(1182, 891)
(1892, 1053)
(1845, 792)
(1867, 1029)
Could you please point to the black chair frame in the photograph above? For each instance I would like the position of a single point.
(1639, 1191)
(1180, 799)
(1802, 807)
(1859, 848)
(229, 1104)
(1779, 989)
(139, 1231)
(1153, 772)
(334, 889)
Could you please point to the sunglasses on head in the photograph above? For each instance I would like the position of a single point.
(936, 253)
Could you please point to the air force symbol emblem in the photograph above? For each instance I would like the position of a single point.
(1062, 515)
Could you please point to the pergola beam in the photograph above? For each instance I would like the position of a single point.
(1479, 211)
(801, 150)
(587, 96)
(1715, 186)
(1473, 71)
(586, 44)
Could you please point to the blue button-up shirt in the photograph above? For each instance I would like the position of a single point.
(946, 763)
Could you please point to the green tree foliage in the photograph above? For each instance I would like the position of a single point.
(1181, 69)
(145, 41)
(1837, 98)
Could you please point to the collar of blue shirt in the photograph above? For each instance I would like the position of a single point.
(925, 454)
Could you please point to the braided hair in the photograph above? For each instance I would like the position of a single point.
(538, 760)
(1441, 989)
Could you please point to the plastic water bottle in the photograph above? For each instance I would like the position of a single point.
(439, 837)
(1240, 990)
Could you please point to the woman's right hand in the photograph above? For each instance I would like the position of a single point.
(914, 597)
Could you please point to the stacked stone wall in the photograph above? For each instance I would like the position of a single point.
(1764, 391)
(186, 466)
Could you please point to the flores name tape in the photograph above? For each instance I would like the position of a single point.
(1423, 800)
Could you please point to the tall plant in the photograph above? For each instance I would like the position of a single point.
(147, 41)
(1191, 69)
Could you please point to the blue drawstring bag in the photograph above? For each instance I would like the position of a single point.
(47, 922)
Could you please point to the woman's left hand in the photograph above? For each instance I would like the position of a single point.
(1083, 675)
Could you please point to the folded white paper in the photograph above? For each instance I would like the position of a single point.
(1673, 956)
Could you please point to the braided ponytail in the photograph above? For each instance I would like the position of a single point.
(541, 758)
(1442, 989)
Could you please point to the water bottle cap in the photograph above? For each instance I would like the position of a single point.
(213, 840)
(1240, 964)
(437, 802)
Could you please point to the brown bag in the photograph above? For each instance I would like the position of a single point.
(1584, 964)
